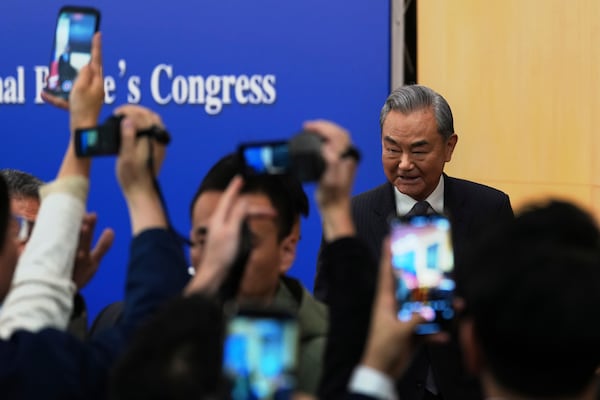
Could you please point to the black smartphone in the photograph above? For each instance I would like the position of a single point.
(260, 354)
(72, 47)
(423, 263)
(272, 158)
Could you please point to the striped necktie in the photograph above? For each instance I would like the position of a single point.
(420, 208)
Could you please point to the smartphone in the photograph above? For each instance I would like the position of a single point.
(423, 263)
(261, 353)
(72, 47)
(272, 158)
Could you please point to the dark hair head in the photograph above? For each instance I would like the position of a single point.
(284, 191)
(410, 98)
(177, 355)
(4, 212)
(21, 184)
(532, 288)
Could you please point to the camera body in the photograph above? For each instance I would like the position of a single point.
(102, 140)
(300, 156)
(105, 139)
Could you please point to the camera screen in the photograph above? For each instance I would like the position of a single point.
(423, 260)
(72, 48)
(260, 357)
(86, 141)
(267, 158)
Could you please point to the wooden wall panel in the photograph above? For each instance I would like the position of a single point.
(523, 80)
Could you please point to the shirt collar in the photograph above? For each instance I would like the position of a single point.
(436, 199)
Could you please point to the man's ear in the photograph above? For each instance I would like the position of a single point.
(471, 349)
(288, 247)
(450, 145)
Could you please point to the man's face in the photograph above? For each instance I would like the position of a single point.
(413, 152)
(269, 258)
(8, 260)
(26, 208)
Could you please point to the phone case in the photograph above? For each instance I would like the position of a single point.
(71, 49)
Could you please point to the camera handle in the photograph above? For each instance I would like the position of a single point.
(156, 133)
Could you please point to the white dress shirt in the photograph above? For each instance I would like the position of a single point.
(405, 203)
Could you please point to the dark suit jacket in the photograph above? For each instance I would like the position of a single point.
(354, 396)
(471, 208)
(349, 266)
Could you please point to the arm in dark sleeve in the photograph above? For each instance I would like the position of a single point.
(348, 266)
(52, 364)
(157, 272)
(321, 286)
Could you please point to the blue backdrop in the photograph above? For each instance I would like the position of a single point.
(296, 61)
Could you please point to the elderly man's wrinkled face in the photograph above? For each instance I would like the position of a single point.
(414, 152)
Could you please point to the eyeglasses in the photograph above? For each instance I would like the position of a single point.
(22, 228)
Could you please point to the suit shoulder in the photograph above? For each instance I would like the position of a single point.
(480, 189)
(371, 194)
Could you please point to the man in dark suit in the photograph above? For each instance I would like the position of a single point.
(418, 139)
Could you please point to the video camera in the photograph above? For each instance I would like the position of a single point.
(105, 139)
(300, 156)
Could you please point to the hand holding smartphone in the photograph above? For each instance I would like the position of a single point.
(72, 46)
(423, 261)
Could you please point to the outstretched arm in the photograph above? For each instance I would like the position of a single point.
(42, 290)
(391, 343)
(157, 268)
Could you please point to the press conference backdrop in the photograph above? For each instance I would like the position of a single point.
(301, 60)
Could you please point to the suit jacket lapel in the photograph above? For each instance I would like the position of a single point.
(456, 210)
(453, 199)
(384, 208)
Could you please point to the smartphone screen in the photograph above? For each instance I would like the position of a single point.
(260, 355)
(75, 28)
(271, 158)
(423, 260)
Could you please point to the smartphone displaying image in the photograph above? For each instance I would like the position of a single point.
(423, 260)
(75, 28)
(260, 354)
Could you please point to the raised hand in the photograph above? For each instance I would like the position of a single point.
(334, 190)
(223, 238)
(87, 260)
(87, 95)
(392, 342)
